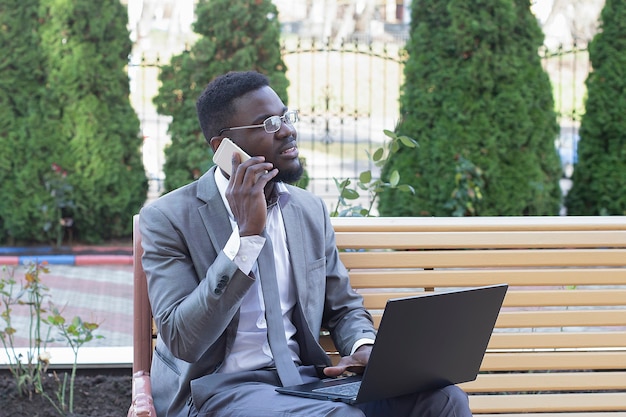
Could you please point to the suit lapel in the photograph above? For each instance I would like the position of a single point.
(292, 217)
(311, 352)
(220, 231)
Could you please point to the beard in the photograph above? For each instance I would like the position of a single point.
(289, 176)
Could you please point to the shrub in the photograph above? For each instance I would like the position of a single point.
(600, 174)
(235, 35)
(475, 91)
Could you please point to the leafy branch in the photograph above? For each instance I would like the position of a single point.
(349, 191)
(28, 372)
(76, 333)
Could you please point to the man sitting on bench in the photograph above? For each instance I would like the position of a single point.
(243, 272)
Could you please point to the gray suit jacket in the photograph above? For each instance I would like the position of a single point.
(195, 290)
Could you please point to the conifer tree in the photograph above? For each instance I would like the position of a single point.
(600, 175)
(87, 46)
(27, 130)
(475, 91)
(234, 35)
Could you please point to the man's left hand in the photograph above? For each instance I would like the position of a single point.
(354, 363)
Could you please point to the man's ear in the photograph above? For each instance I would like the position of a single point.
(215, 142)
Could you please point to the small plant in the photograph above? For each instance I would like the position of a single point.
(26, 371)
(76, 333)
(467, 192)
(366, 182)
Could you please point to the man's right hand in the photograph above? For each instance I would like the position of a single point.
(246, 193)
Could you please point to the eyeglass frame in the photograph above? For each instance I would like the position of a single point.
(282, 119)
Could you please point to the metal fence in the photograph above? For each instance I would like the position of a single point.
(347, 95)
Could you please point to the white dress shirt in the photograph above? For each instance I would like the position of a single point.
(245, 354)
(251, 348)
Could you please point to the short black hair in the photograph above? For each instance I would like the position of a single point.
(216, 105)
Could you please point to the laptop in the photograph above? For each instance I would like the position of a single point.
(424, 342)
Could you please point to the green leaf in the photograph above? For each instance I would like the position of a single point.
(350, 194)
(408, 142)
(366, 176)
(394, 179)
(390, 134)
(378, 154)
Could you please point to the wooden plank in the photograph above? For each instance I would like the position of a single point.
(542, 340)
(559, 319)
(545, 381)
(481, 240)
(549, 402)
(520, 298)
(554, 360)
(563, 318)
(566, 297)
(526, 341)
(560, 340)
(418, 278)
(442, 224)
(484, 259)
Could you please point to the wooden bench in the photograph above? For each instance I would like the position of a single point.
(560, 341)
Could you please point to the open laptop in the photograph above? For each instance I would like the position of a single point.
(424, 342)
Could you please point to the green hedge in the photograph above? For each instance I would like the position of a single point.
(235, 35)
(600, 175)
(74, 143)
(475, 90)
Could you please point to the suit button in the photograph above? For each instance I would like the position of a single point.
(217, 291)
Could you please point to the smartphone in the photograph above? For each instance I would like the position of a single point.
(223, 157)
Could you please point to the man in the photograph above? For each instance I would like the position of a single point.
(206, 249)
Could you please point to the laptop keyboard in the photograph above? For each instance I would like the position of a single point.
(349, 389)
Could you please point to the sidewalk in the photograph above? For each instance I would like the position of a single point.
(93, 283)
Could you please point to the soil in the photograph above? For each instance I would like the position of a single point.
(94, 395)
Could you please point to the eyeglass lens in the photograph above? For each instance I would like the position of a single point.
(272, 124)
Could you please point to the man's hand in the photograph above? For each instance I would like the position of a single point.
(246, 193)
(354, 363)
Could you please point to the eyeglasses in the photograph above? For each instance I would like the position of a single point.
(272, 124)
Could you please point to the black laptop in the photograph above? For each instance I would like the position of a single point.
(423, 343)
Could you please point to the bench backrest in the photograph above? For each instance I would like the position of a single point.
(560, 341)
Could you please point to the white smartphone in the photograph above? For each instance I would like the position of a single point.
(223, 157)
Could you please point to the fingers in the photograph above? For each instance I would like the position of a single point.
(253, 172)
(347, 364)
(246, 193)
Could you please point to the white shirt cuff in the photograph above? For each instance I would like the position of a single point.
(361, 342)
(243, 251)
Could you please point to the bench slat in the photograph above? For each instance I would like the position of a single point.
(548, 402)
(555, 360)
(545, 381)
(466, 224)
(560, 340)
(541, 340)
(485, 259)
(471, 278)
(567, 297)
(565, 318)
(515, 298)
(469, 240)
